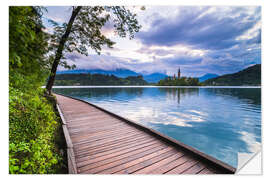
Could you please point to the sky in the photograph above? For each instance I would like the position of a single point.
(196, 39)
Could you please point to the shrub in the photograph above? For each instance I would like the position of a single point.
(32, 128)
(33, 123)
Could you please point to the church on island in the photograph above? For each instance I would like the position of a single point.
(179, 74)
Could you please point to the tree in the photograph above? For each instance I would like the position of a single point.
(27, 45)
(84, 30)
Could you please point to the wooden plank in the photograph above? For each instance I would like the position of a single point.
(91, 118)
(183, 167)
(195, 169)
(66, 134)
(61, 114)
(85, 118)
(81, 109)
(95, 123)
(147, 161)
(85, 165)
(154, 168)
(71, 161)
(117, 146)
(98, 126)
(129, 146)
(206, 171)
(142, 158)
(112, 145)
(165, 168)
(85, 135)
(101, 137)
(72, 168)
(94, 138)
(97, 129)
(107, 140)
(74, 116)
(91, 123)
(107, 168)
(96, 158)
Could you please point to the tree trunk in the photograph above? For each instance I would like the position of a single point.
(59, 51)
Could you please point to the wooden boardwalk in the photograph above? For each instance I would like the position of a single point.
(103, 143)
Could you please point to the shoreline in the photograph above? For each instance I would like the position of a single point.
(56, 87)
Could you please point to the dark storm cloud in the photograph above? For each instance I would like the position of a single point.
(203, 31)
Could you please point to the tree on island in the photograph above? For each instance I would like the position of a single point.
(84, 30)
(183, 81)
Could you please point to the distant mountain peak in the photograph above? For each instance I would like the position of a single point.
(154, 77)
(207, 76)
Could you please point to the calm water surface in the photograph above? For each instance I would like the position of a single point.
(217, 121)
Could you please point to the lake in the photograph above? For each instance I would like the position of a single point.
(217, 121)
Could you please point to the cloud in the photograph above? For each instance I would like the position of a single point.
(182, 60)
(228, 39)
(199, 29)
(104, 61)
(200, 40)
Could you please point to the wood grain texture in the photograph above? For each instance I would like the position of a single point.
(103, 143)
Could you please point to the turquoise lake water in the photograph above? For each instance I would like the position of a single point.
(217, 121)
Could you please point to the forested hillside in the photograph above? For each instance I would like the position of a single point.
(250, 76)
(96, 79)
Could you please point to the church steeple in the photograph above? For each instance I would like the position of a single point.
(179, 73)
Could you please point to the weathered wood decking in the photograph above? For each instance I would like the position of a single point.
(103, 143)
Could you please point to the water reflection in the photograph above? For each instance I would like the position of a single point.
(178, 93)
(100, 92)
(219, 122)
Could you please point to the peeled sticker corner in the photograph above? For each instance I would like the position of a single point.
(249, 163)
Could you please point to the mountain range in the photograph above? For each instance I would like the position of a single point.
(123, 73)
